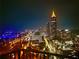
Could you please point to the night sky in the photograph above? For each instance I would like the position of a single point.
(18, 15)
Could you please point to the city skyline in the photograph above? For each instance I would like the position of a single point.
(21, 15)
(39, 29)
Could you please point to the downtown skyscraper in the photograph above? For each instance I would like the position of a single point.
(52, 26)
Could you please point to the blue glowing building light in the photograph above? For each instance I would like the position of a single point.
(8, 35)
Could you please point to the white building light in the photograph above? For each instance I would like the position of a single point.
(66, 30)
(77, 36)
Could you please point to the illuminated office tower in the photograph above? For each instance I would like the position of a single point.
(52, 26)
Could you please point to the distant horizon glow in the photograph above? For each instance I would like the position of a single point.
(18, 15)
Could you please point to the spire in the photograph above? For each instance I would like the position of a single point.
(53, 14)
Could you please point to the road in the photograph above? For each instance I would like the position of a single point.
(10, 46)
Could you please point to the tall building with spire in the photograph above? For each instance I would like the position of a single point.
(52, 26)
